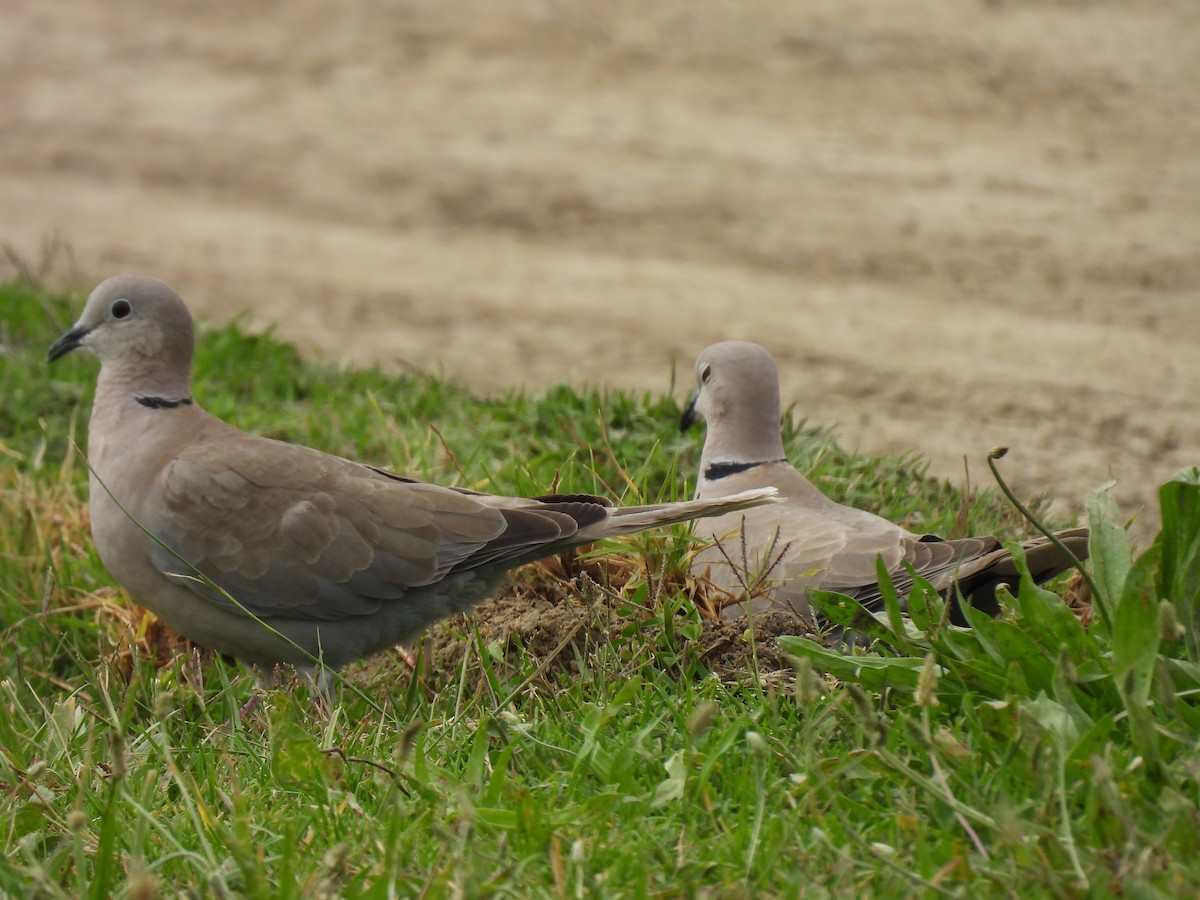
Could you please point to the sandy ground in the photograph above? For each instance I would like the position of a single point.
(956, 224)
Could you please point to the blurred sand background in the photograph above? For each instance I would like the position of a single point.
(956, 224)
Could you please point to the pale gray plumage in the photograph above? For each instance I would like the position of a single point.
(341, 558)
(773, 555)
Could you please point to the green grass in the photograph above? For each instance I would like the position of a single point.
(1028, 756)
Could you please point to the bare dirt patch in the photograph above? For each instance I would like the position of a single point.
(957, 224)
(548, 624)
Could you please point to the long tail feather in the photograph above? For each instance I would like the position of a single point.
(628, 519)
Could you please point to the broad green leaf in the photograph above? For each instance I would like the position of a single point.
(670, 788)
(980, 674)
(1135, 649)
(1108, 551)
(848, 613)
(1016, 684)
(925, 605)
(983, 628)
(1136, 631)
(1047, 619)
(1053, 717)
(1008, 645)
(1179, 579)
(872, 672)
(959, 643)
(891, 600)
(1064, 690)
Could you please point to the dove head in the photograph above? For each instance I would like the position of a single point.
(737, 394)
(136, 324)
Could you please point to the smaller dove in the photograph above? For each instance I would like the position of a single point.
(773, 555)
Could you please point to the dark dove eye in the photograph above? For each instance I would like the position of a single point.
(121, 308)
(705, 374)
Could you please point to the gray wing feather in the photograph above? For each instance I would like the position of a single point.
(289, 531)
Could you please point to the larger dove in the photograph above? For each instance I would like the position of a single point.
(341, 559)
(772, 556)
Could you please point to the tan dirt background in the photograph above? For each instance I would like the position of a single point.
(956, 224)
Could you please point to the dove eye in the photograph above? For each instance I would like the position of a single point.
(121, 308)
(705, 374)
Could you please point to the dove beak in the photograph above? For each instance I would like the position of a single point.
(688, 419)
(72, 340)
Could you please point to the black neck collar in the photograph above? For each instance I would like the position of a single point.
(717, 471)
(163, 402)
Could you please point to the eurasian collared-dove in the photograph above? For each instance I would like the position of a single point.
(341, 558)
(773, 555)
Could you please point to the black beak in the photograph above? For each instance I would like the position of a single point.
(68, 342)
(688, 419)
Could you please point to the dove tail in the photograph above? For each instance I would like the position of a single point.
(1044, 559)
(629, 519)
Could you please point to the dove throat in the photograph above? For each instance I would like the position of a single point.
(151, 385)
(129, 410)
(741, 439)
